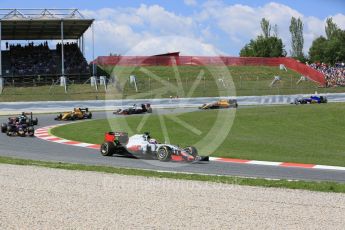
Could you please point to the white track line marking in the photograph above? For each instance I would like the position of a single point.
(270, 163)
(329, 167)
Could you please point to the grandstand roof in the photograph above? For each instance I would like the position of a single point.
(42, 24)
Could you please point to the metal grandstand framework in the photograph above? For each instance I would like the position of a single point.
(44, 24)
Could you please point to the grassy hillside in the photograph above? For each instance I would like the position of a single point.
(182, 81)
(305, 134)
(210, 81)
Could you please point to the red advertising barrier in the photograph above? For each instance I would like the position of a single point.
(204, 61)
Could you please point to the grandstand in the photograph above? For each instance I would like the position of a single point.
(36, 62)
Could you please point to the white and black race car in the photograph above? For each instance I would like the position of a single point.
(143, 146)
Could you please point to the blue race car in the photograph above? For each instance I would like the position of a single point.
(311, 100)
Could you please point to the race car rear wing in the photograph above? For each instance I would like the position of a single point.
(84, 109)
(121, 137)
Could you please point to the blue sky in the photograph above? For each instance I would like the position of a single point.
(319, 8)
(194, 27)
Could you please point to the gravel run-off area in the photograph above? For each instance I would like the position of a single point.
(43, 198)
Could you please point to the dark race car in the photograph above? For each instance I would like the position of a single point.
(28, 117)
(20, 126)
(21, 130)
(24, 118)
(144, 108)
(311, 100)
(143, 146)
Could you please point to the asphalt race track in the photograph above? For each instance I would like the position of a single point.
(37, 149)
(100, 105)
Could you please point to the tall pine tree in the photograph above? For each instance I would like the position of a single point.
(297, 40)
(266, 27)
(331, 28)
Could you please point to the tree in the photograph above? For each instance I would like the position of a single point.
(247, 50)
(335, 48)
(275, 30)
(330, 49)
(266, 27)
(264, 45)
(317, 49)
(297, 40)
(330, 28)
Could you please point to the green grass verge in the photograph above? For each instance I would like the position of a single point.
(312, 186)
(244, 80)
(56, 93)
(303, 134)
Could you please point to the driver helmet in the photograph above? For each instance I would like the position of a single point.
(153, 141)
(146, 136)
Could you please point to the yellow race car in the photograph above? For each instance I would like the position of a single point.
(221, 104)
(76, 114)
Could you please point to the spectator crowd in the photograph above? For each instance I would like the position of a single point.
(75, 63)
(334, 75)
(39, 59)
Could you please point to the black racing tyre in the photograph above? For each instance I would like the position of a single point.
(58, 118)
(11, 129)
(192, 151)
(35, 121)
(164, 153)
(89, 116)
(31, 131)
(3, 127)
(108, 148)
